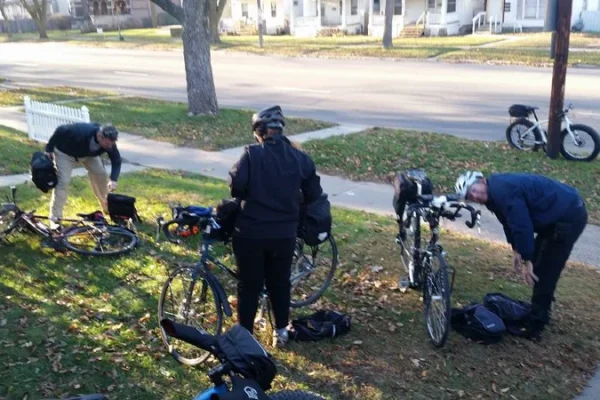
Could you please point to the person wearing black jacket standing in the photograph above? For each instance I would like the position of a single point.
(83, 143)
(526, 204)
(269, 178)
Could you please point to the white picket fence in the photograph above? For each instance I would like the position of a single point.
(44, 118)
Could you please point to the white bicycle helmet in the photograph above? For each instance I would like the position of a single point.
(465, 180)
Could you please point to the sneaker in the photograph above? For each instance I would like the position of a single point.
(280, 337)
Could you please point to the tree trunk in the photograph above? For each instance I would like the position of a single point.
(387, 30)
(260, 24)
(202, 96)
(213, 19)
(3, 12)
(41, 26)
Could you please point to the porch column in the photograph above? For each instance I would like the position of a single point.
(292, 18)
(370, 27)
(444, 10)
(319, 12)
(344, 11)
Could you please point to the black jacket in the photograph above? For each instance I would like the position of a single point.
(528, 203)
(74, 140)
(269, 179)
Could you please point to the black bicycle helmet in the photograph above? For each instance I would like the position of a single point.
(110, 132)
(271, 117)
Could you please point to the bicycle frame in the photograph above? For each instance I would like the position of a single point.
(544, 134)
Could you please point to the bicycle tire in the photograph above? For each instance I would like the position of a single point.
(528, 124)
(111, 230)
(417, 279)
(587, 129)
(316, 295)
(442, 274)
(161, 314)
(179, 222)
(295, 395)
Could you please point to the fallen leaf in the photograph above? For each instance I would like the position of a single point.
(358, 342)
(376, 268)
(2, 323)
(505, 390)
(415, 362)
(461, 393)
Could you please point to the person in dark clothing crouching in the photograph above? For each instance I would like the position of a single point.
(526, 204)
(268, 179)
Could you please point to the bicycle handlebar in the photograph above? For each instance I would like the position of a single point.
(442, 204)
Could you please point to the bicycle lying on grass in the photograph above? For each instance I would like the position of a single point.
(195, 307)
(88, 235)
(525, 135)
(419, 259)
(248, 365)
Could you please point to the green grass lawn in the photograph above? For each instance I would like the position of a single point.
(375, 155)
(161, 120)
(14, 97)
(520, 56)
(71, 324)
(542, 39)
(16, 151)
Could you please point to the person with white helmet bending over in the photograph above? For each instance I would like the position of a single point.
(528, 204)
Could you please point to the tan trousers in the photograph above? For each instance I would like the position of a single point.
(64, 168)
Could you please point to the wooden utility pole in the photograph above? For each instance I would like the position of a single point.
(559, 75)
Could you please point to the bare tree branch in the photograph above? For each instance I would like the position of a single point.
(170, 8)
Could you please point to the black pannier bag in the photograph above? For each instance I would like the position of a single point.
(406, 191)
(315, 221)
(122, 208)
(478, 324)
(320, 325)
(519, 111)
(514, 313)
(247, 356)
(43, 172)
(227, 213)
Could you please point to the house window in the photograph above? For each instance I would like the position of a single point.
(273, 10)
(376, 6)
(245, 10)
(103, 8)
(397, 7)
(96, 8)
(353, 7)
(451, 6)
(534, 9)
(431, 4)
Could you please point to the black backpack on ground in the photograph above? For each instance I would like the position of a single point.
(320, 325)
(43, 172)
(478, 324)
(247, 356)
(514, 313)
(315, 221)
(405, 191)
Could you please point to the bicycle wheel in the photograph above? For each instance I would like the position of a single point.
(183, 229)
(436, 298)
(100, 240)
(295, 395)
(516, 138)
(180, 303)
(312, 273)
(587, 140)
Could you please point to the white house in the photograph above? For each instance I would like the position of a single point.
(430, 17)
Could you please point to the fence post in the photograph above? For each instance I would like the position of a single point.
(85, 114)
(28, 116)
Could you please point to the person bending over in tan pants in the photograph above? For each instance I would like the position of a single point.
(83, 143)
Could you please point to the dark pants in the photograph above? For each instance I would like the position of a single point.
(263, 262)
(552, 250)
